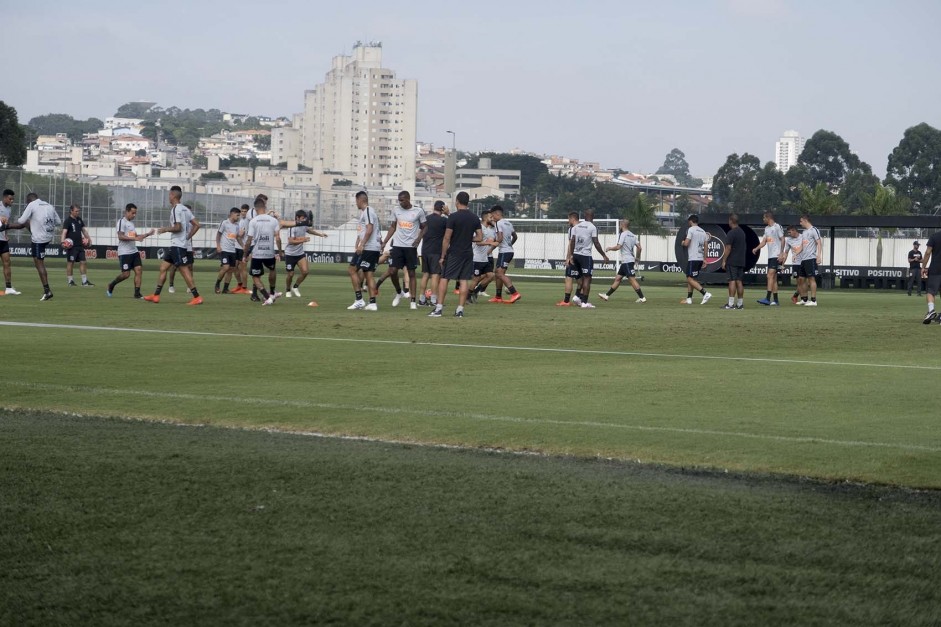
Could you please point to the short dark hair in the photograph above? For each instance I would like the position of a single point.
(362, 194)
(176, 188)
(234, 210)
(129, 206)
(262, 196)
(573, 214)
(463, 198)
(300, 213)
(805, 216)
(8, 192)
(245, 206)
(259, 202)
(792, 227)
(769, 214)
(74, 206)
(439, 205)
(733, 218)
(30, 197)
(404, 193)
(497, 208)
(693, 218)
(485, 212)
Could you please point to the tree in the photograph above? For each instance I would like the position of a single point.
(683, 205)
(827, 159)
(213, 176)
(675, 164)
(884, 202)
(914, 168)
(734, 184)
(509, 206)
(818, 201)
(134, 110)
(642, 215)
(53, 123)
(856, 189)
(770, 190)
(12, 138)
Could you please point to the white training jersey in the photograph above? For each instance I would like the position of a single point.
(482, 251)
(4, 217)
(230, 233)
(628, 242)
(697, 243)
(584, 234)
(809, 239)
(504, 226)
(791, 244)
(243, 231)
(408, 224)
(773, 236)
(126, 227)
(179, 213)
(368, 216)
(295, 250)
(262, 230)
(43, 221)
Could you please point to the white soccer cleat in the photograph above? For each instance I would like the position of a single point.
(276, 295)
(171, 289)
(397, 300)
(587, 306)
(483, 295)
(360, 304)
(686, 301)
(371, 307)
(603, 296)
(705, 298)
(294, 291)
(800, 302)
(12, 292)
(641, 300)
(288, 294)
(413, 305)
(576, 300)
(268, 302)
(810, 303)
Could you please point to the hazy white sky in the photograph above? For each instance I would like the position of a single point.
(620, 82)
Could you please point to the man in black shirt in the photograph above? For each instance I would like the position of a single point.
(457, 253)
(733, 260)
(931, 272)
(431, 253)
(74, 229)
(914, 268)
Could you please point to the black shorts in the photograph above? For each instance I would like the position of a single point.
(933, 284)
(571, 271)
(584, 263)
(4, 247)
(483, 267)
(431, 263)
(177, 256)
(227, 258)
(239, 254)
(76, 253)
(459, 267)
(367, 261)
(192, 257)
(693, 268)
(259, 265)
(504, 259)
(129, 262)
(808, 268)
(404, 257)
(627, 270)
(736, 273)
(773, 263)
(37, 251)
(291, 260)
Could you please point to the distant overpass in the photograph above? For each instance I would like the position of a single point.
(663, 189)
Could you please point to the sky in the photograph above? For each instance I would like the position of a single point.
(619, 82)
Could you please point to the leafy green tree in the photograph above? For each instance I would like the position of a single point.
(884, 202)
(770, 191)
(134, 110)
(827, 159)
(734, 184)
(213, 176)
(819, 201)
(508, 204)
(263, 141)
(914, 168)
(856, 189)
(12, 137)
(675, 164)
(53, 123)
(642, 214)
(683, 205)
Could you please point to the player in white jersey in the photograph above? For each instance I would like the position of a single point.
(192, 226)
(406, 232)
(241, 255)
(584, 235)
(5, 211)
(483, 255)
(571, 271)
(41, 219)
(506, 236)
(295, 257)
(128, 255)
(228, 239)
(264, 240)
(630, 249)
(366, 256)
(773, 238)
(810, 258)
(792, 247)
(695, 244)
(181, 218)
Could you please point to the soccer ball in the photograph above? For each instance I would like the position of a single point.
(67, 243)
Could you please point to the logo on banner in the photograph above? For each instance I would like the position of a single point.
(715, 248)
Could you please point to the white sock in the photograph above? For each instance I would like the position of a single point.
(459, 310)
(930, 307)
(741, 301)
(731, 301)
(84, 278)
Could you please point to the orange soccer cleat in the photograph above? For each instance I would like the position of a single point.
(496, 299)
(152, 298)
(197, 300)
(563, 303)
(515, 296)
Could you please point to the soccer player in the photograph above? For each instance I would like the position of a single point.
(630, 249)
(733, 261)
(914, 268)
(5, 211)
(408, 228)
(810, 253)
(506, 236)
(436, 223)
(773, 238)
(368, 247)
(128, 255)
(263, 240)
(483, 259)
(295, 256)
(457, 255)
(74, 229)
(41, 219)
(241, 272)
(228, 236)
(177, 256)
(571, 272)
(191, 227)
(584, 235)
(695, 244)
(792, 246)
(931, 272)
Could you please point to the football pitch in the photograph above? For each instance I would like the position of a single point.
(526, 464)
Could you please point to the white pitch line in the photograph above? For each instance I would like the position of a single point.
(301, 404)
(535, 349)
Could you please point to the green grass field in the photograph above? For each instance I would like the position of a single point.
(840, 395)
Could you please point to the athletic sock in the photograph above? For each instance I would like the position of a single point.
(111, 286)
(225, 287)
(640, 292)
(511, 290)
(775, 296)
(768, 296)
(500, 293)
(813, 299)
(359, 296)
(740, 302)
(689, 295)
(255, 291)
(296, 285)
(194, 292)
(380, 282)
(611, 290)
(459, 310)
(84, 278)
(218, 283)
(804, 299)
(157, 290)
(702, 291)
(568, 297)
(9, 284)
(731, 301)
(137, 291)
(930, 307)
(265, 294)
(372, 300)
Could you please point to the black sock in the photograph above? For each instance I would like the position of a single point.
(255, 291)
(813, 299)
(265, 294)
(611, 290)
(9, 284)
(804, 299)
(157, 290)
(640, 292)
(702, 291)
(136, 291)
(379, 282)
(689, 294)
(195, 292)
(218, 283)
(225, 287)
(511, 290)
(111, 286)
(500, 293)
(568, 297)
(296, 285)
(359, 295)
(372, 300)
(768, 295)
(775, 297)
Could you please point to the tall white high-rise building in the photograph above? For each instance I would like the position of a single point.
(361, 121)
(787, 150)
